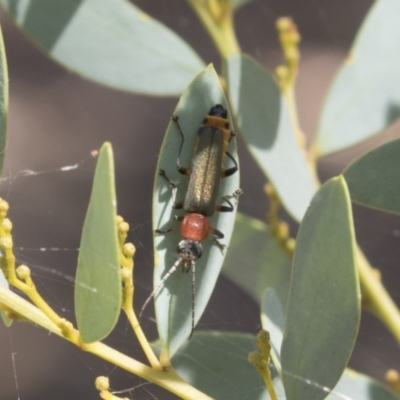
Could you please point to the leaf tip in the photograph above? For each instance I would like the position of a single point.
(106, 146)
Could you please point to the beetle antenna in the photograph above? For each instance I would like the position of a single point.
(193, 294)
(155, 292)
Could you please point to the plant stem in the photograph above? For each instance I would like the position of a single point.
(127, 251)
(378, 299)
(270, 387)
(219, 26)
(26, 285)
(261, 365)
(290, 96)
(168, 380)
(153, 360)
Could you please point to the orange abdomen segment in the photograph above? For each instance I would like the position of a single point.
(195, 227)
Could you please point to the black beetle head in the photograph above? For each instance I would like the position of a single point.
(189, 251)
(218, 111)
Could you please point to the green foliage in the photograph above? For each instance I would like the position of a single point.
(239, 3)
(264, 119)
(263, 261)
(372, 178)
(3, 100)
(310, 305)
(98, 276)
(364, 99)
(224, 361)
(351, 385)
(4, 284)
(3, 126)
(111, 42)
(359, 386)
(323, 310)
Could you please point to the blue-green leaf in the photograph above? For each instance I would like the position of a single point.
(365, 96)
(323, 310)
(111, 42)
(4, 284)
(3, 100)
(373, 179)
(239, 3)
(173, 304)
(216, 363)
(3, 126)
(352, 385)
(264, 120)
(255, 260)
(356, 386)
(98, 282)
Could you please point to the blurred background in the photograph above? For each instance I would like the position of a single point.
(56, 119)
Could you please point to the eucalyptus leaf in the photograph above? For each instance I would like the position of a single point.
(111, 42)
(373, 179)
(239, 3)
(264, 120)
(4, 284)
(351, 386)
(221, 368)
(323, 311)
(356, 386)
(3, 100)
(3, 126)
(174, 303)
(255, 260)
(98, 278)
(365, 96)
